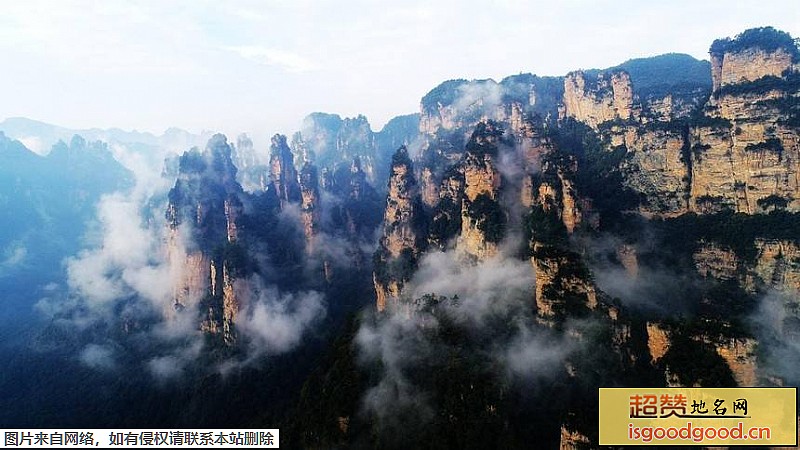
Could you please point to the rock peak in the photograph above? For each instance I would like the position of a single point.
(751, 55)
(403, 237)
(283, 174)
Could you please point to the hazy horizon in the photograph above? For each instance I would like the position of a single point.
(260, 67)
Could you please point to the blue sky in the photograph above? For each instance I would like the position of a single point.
(261, 66)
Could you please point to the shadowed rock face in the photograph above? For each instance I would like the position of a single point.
(310, 204)
(283, 174)
(777, 265)
(332, 143)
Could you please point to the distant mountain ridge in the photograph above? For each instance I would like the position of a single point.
(41, 136)
(670, 73)
(48, 203)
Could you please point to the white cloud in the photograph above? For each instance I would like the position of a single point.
(288, 61)
(98, 356)
(129, 268)
(488, 288)
(14, 256)
(276, 323)
(774, 322)
(129, 258)
(497, 290)
(166, 367)
(34, 144)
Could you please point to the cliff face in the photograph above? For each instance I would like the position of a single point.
(358, 180)
(205, 196)
(232, 212)
(562, 289)
(563, 285)
(559, 196)
(714, 185)
(747, 64)
(192, 274)
(573, 440)
(459, 105)
(332, 142)
(627, 256)
(658, 341)
(776, 265)
(450, 113)
(387, 293)
(737, 354)
(400, 232)
(447, 210)
(402, 237)
(429, 188)
(203, 211)
(534, 148)
(361, 211)
(737, 149)
(567, 189)
(594, 101)
(749, 166)
(283, 174)
(656, 168)
(570, 211)
(716, 262)
(309, 204)
(252, 173)
(482, 218)
(669, 107)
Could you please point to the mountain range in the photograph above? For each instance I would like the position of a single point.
(466, 277)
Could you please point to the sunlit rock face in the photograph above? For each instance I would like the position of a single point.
(657, 341)
(597, 100)
(481, 214)
(656, 168)
(740, 356)
(573, 440)
(736, 64)
(401, 207)
(402, 238)
(203, 211)
(735, 148)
